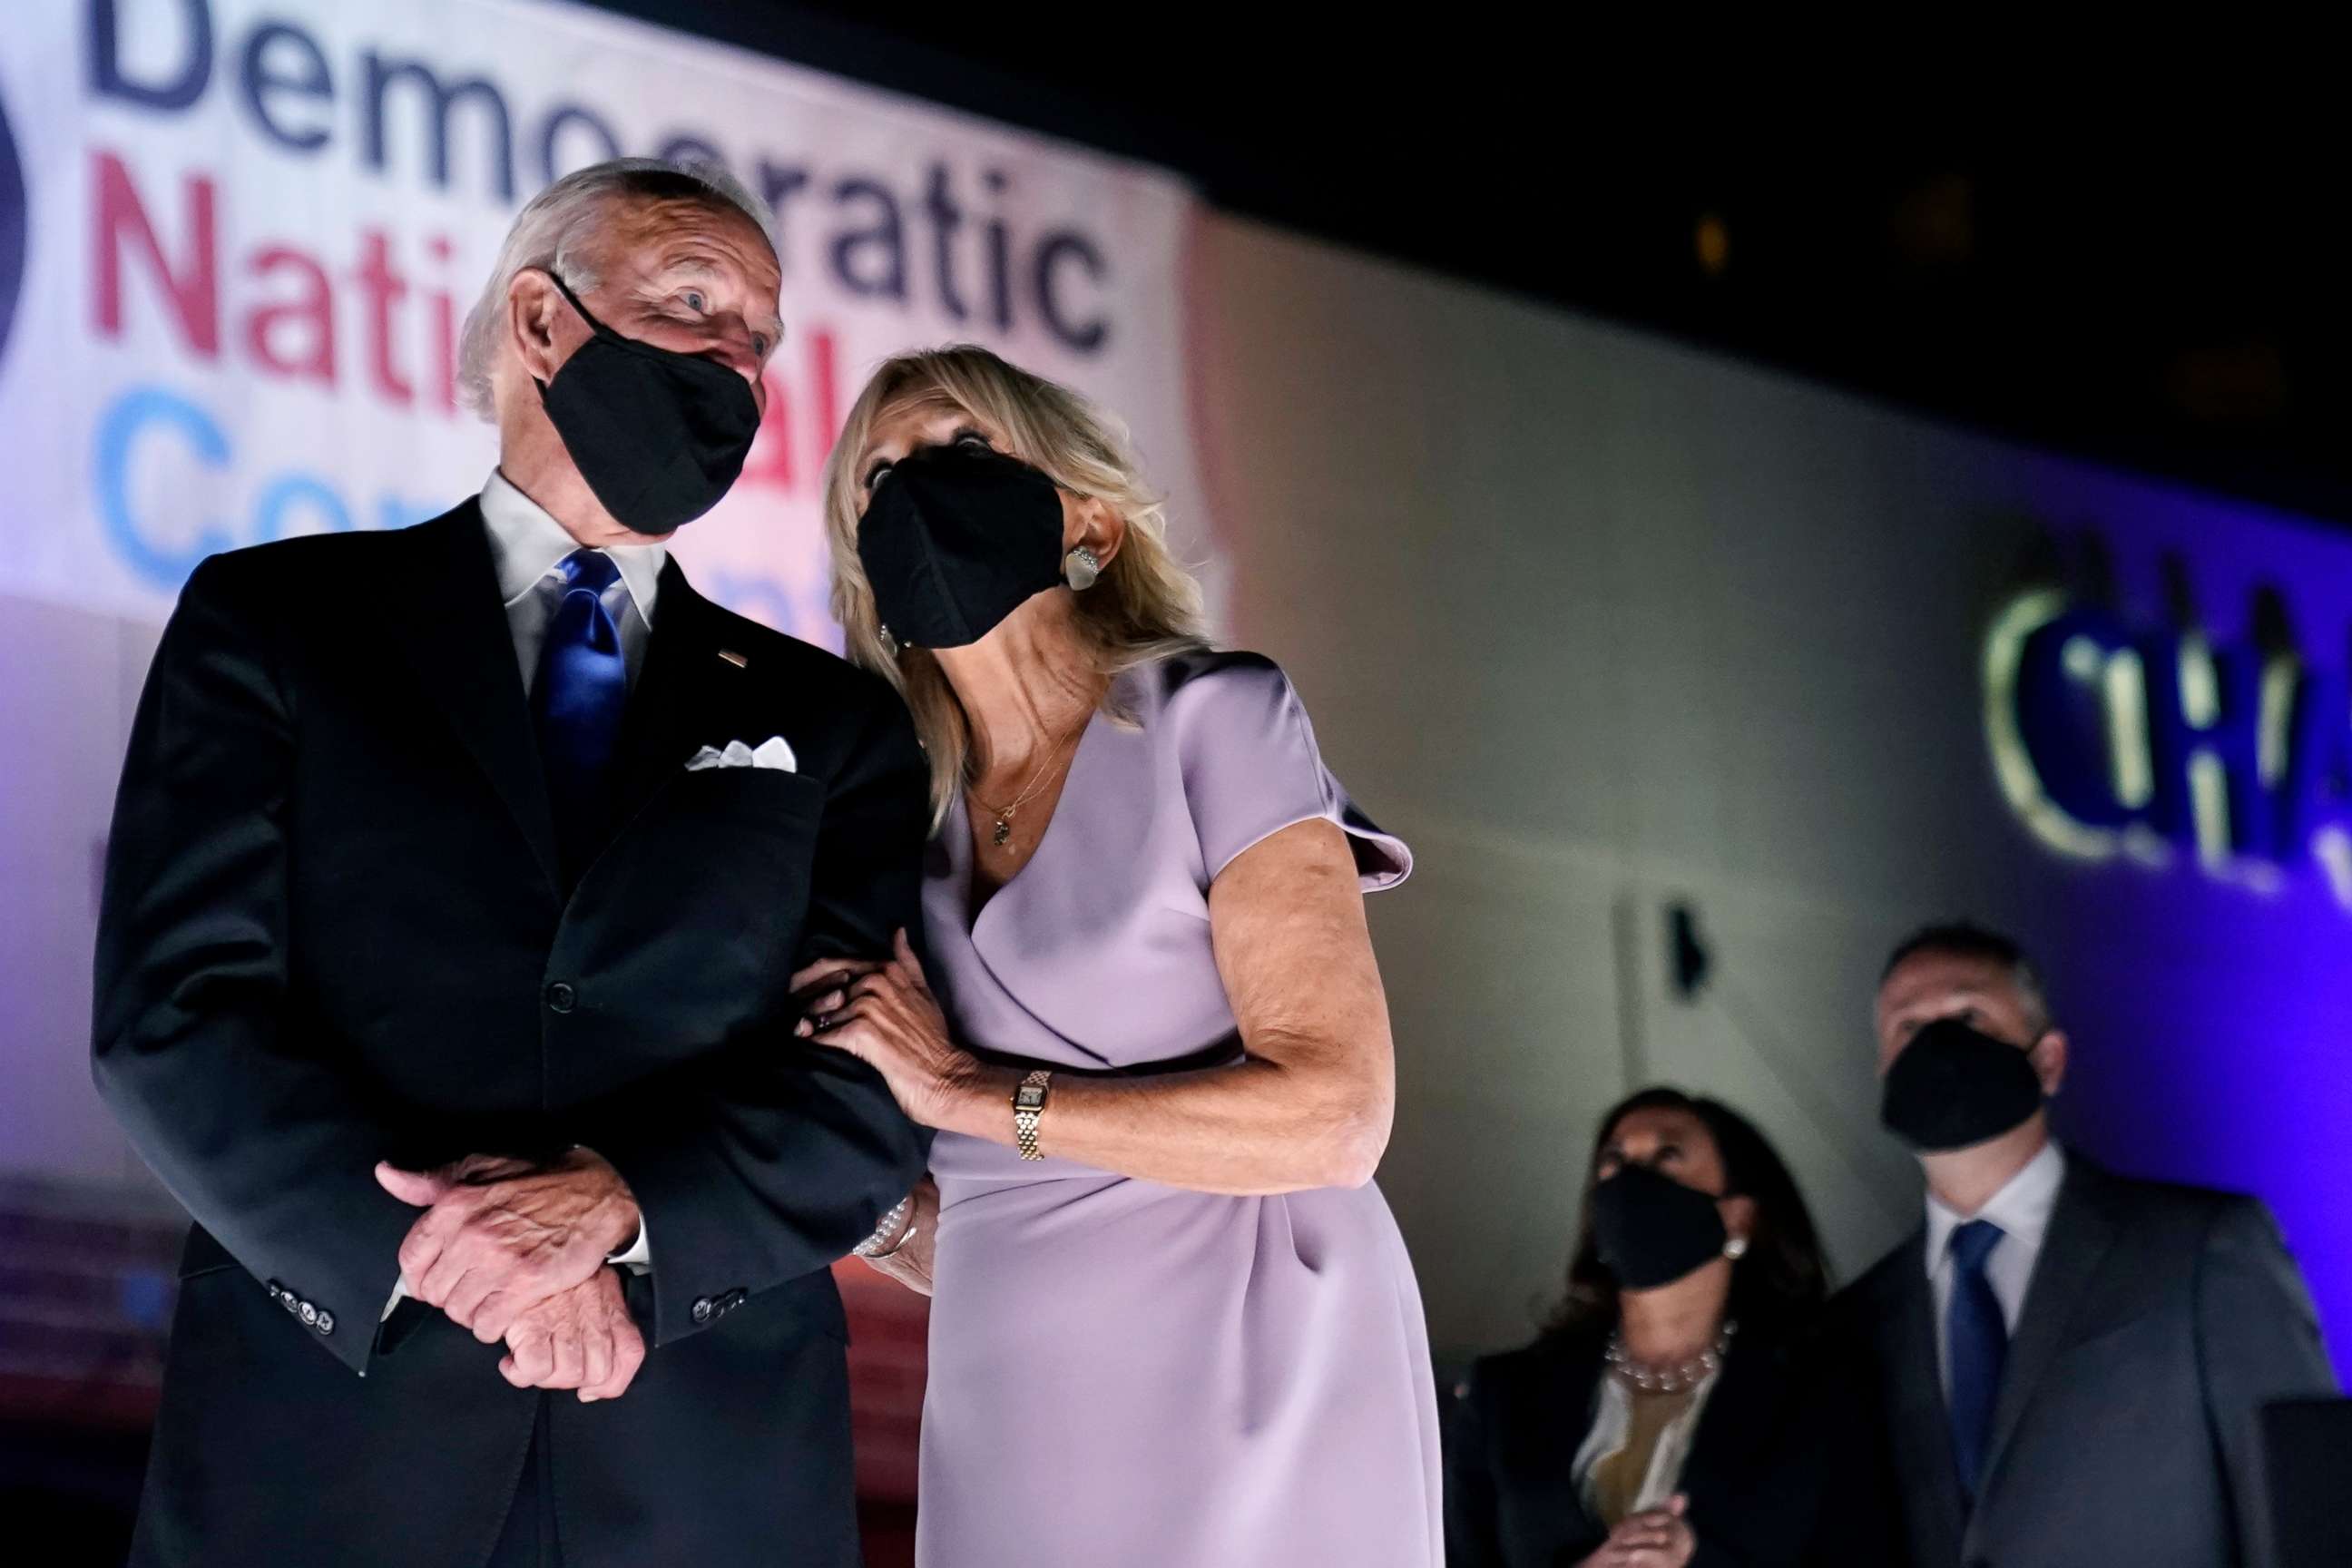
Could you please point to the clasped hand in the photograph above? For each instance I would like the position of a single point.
(1654, 1538)
(515, 1251)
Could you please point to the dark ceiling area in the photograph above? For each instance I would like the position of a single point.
(2142, 271)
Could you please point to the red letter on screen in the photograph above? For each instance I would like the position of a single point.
(193, 292)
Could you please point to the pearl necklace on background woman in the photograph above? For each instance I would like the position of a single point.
(1679, 1378)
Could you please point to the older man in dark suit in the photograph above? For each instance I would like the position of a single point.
(456, 877)
(2072, 1362)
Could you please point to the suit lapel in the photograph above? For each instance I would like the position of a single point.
(672, 709)
(1922, 1426)
(1739, 1414)
(2081, 1232)
(465, 655)
(1554, 1425)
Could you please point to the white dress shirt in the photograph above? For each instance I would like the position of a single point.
(527, 545)
(2022, 1209)
(1613, 1426)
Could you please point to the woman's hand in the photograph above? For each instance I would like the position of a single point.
(885, 1014)
(909, 1261)
(1657, 1538)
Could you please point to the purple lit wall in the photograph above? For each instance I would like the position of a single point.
(1603, 625)
(2217, 1016)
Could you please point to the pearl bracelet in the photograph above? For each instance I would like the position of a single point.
(896, 1246)
(873, 1246)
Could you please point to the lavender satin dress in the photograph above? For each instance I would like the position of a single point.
(1130, 1375)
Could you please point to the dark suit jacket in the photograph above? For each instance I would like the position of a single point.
(2159, 1319)
(1786, 1468)
(335, 931)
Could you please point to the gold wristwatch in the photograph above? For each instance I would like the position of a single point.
(1028, 1106)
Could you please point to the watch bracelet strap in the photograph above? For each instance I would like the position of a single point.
(1024, 1120)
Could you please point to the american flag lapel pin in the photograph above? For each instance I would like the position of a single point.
(737, 659)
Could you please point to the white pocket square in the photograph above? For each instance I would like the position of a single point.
(771, 752)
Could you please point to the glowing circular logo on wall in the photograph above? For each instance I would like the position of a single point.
(12, 230)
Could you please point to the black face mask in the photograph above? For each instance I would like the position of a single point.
(1954, 1087)
(955, 540)
(659, 436)
(1653, 1230)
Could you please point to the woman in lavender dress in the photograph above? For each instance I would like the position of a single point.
(1173, 1322)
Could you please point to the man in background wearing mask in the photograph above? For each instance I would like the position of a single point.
(456, 878)
(2071, 1362)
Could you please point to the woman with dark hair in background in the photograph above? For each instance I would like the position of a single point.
(1681, 1408)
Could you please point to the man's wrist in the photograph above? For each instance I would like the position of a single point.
(627, 1222)
(635, 1257)
(627, 1226)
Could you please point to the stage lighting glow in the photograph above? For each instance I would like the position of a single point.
(2239, 760)
(1713, 243)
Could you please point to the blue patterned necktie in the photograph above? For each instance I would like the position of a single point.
(1977, 1339)
(576, 704)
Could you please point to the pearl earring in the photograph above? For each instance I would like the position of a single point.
(1736, 1249)
(1080, 567)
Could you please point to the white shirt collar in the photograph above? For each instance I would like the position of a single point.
(2021, 1209)
(526, 543)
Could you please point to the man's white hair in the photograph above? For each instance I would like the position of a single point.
(556, 232)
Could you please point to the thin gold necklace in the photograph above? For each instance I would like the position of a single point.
(1003, 814)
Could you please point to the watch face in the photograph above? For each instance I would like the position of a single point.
(1030, 1098)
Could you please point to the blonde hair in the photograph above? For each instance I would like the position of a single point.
(1145, 607)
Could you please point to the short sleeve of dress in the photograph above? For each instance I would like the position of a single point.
(1250, 768)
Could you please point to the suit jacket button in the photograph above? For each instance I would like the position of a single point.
(703, 1308)
(275, 1289)
(309, 1314)
(561, 998)
(290, 1301)
(326, 1322)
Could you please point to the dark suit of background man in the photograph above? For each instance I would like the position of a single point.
(2070, 1362)
(409, 866)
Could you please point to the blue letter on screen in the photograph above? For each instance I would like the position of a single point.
(123, 423)
(169, 94)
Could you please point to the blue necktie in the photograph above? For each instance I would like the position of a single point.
(1978, 1339)
(576, 704)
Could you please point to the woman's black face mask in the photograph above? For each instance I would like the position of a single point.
(1954, 1087)
(659, 436)
(1652, 1229)
(955, 538)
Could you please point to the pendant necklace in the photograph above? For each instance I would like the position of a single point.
(1003, 831)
